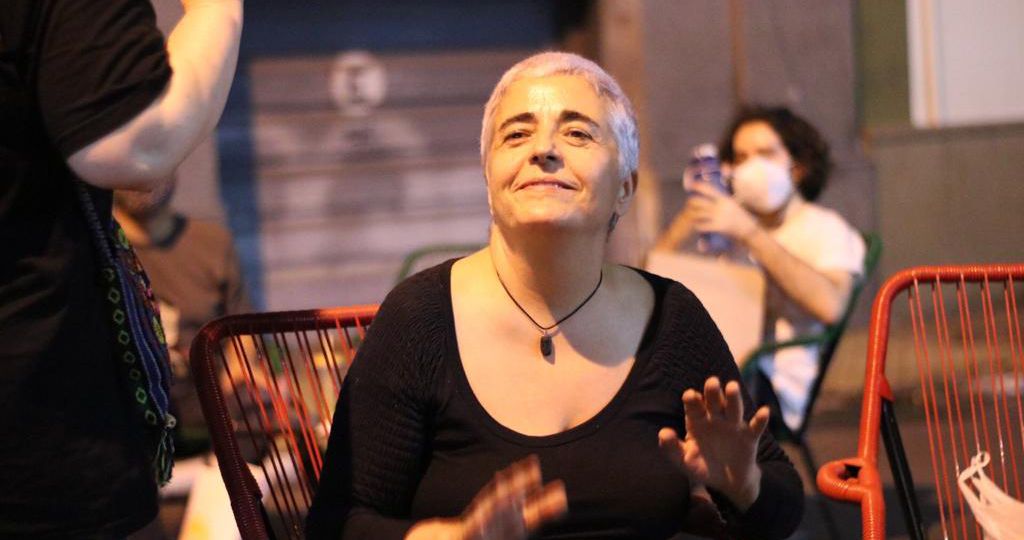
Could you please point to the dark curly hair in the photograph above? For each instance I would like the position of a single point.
(801, 139)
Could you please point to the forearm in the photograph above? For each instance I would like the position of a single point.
(775, 513)
(436, 529)
(777, 508)
(678, 232)
(823, 296)
(202, 51)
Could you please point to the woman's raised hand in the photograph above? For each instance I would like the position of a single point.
(720, 448)
(511, 507)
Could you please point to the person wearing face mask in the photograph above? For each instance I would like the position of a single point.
(810, 255)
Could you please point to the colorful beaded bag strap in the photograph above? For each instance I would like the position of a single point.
(139, 345)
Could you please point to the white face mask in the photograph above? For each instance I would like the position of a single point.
(762, 185)
(999, 514)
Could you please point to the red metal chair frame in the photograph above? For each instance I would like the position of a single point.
(857, 479)
(208, 366)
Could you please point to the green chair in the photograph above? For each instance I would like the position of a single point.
(436, 253)
(827, 341)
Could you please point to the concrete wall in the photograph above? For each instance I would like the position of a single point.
(951, 195)
(945, 196)
(966, 62)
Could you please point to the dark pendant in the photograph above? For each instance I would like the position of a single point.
(545, 345)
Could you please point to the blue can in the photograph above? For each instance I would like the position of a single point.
(704, 166)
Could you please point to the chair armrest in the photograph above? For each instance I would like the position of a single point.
(854, 481)
(841, 479)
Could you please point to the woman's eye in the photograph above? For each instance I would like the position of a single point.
(579, 134)
(514, 136)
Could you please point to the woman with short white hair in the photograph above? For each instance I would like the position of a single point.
(531, 389)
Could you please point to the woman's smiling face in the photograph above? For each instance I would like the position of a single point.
(553, 158)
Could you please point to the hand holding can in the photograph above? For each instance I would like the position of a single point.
(704, 166)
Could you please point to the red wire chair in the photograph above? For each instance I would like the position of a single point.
(971, 387)
(267, 383)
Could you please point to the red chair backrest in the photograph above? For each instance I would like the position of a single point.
(961, 329)
(267, 383)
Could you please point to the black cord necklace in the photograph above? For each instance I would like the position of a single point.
(546, 348)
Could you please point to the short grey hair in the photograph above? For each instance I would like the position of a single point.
(548, 64)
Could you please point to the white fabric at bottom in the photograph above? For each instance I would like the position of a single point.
(1001, 516)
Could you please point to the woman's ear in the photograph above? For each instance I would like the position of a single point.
(627, 189)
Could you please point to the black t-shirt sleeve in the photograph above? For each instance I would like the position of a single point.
(99, 64)
(779, 507)
(378, 438)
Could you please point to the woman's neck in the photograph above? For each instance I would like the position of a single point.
(547, 274)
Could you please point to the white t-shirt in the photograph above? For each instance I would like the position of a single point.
(821, 238)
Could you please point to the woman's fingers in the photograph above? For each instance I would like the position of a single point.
(713, 398)
(733, 403)
(515, 502)
(759, 422)
(668, 441)
(524, 475)
(548, 504)
(516, 482)
(714, 403)
(694, 408)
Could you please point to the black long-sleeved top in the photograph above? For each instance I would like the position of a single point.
(410, 441)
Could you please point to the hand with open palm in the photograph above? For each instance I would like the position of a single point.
(514, 505)
(720, 448)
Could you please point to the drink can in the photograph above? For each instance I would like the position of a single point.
(704, 166)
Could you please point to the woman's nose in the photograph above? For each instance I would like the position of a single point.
(544, 151)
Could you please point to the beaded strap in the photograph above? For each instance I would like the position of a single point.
(138, 337)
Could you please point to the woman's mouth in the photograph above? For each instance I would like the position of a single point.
(547, 183)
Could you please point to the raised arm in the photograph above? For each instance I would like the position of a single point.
(202, 51)
(822, 293)
(725, 447)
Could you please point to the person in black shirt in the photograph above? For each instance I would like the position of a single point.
(531, 389)
(88, 91)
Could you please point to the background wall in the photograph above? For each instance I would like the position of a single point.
(944, 195)
(966, 65)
